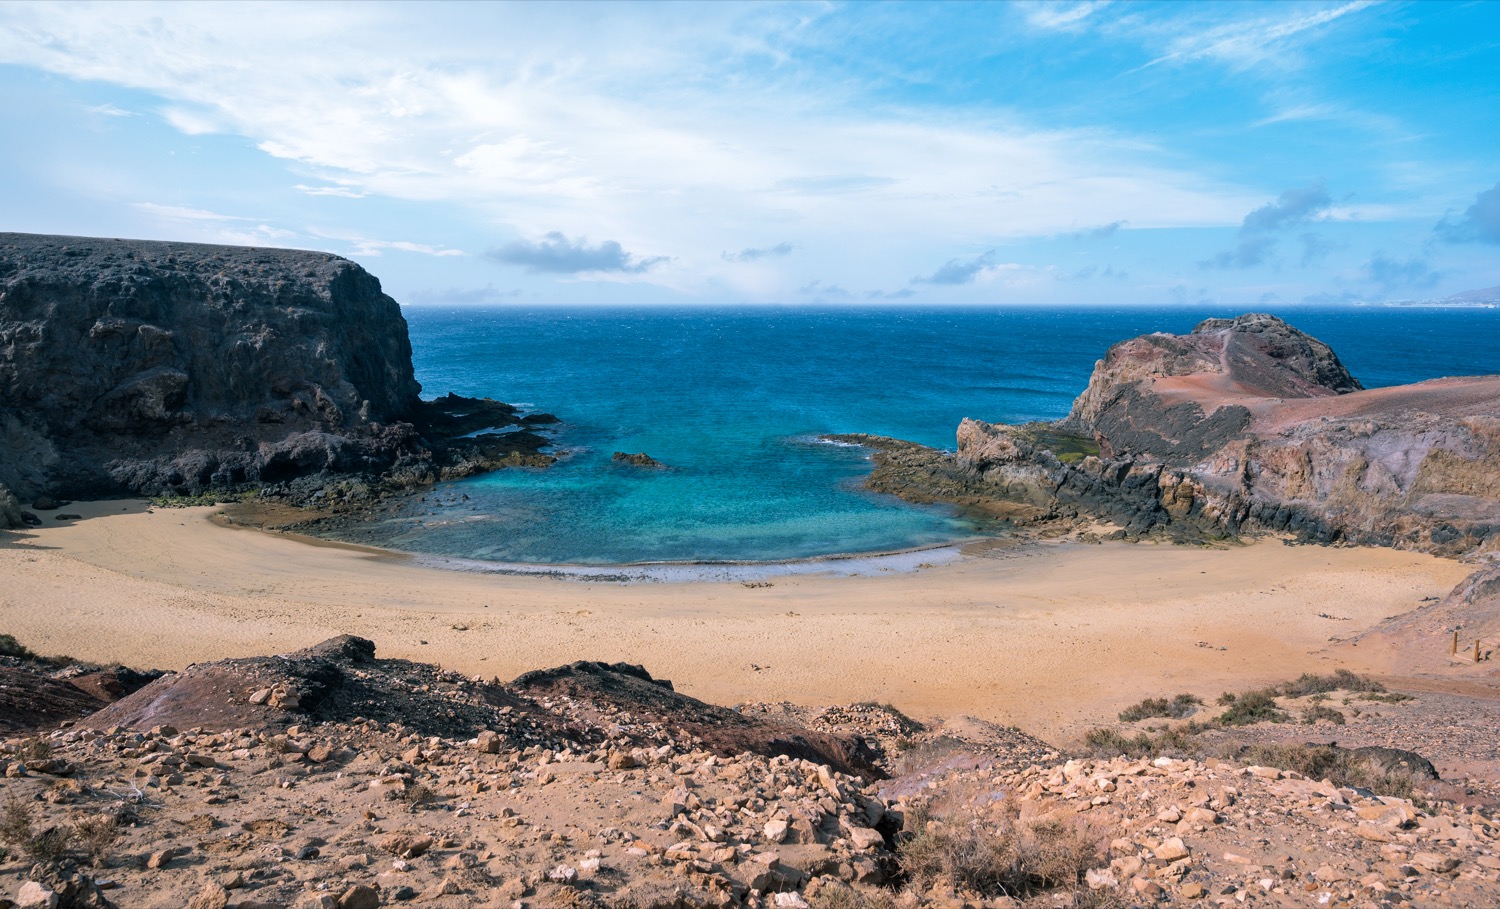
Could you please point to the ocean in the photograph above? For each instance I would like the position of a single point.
(733, 400)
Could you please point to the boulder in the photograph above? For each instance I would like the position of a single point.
(10, 511)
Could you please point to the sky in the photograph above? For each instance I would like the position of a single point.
(1235, 154)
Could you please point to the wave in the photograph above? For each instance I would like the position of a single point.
(843, 565)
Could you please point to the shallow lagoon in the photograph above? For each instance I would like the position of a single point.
(733, 400)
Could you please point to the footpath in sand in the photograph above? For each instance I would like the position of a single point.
(1053, 638)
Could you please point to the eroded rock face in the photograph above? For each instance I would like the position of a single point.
(1245, 424)
(1250, 356)
(130, 365)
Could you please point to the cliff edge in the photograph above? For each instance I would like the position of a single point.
(177, 368)
(1243, 425)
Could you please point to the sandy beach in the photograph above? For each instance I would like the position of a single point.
(1050, 637)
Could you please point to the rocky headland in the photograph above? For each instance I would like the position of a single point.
(139, 367)
(1243, 426)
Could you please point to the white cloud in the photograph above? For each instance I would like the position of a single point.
(641, 129)
(1049, 14)
(1241, 44)
(343, 192)
(109, 110)
(365, 246)
(185, 213)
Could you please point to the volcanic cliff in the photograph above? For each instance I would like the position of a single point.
(150, 367)
(1244, 425)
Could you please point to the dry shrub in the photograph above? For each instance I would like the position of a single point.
(95, 835)
(418, 795)
(16, 830)
(1317, 712)
(998, 853)
(11, 647)
(1179, 707)
(15, 823)
(32, 749)
(1337, 765)
(1259, 705)
(1252, 707)
(843, 897)
(1178, 742)
(1340, 680)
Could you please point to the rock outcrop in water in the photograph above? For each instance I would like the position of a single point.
(138, 366)
(1244, 425)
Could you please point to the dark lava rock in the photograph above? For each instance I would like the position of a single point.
(639, 459)
(582, 704)
(130, 365)
(1396, 761)
(11, 515)
(38, 693)
(133, 366)
(598, 690)
(30, 700)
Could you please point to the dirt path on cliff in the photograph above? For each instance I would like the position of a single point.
(1053, 638)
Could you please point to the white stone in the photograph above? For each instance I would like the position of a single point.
(34, 896)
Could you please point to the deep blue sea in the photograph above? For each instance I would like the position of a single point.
(733, 400)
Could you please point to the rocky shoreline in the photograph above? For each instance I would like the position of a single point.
(1244, 426)
(185, 371)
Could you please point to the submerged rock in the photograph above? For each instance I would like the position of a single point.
(639, 459)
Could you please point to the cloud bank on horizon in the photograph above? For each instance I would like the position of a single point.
(1066, 152)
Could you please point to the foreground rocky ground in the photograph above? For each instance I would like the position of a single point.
(331, 778)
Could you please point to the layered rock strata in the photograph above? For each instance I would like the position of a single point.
(149, 367)
(1244, 425)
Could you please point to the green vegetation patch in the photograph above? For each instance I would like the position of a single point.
(1252, 707)
(1183, 705)
(1337, 765)
(1069, 448)
(1340, 680)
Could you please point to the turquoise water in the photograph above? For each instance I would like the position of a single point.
(732, 400)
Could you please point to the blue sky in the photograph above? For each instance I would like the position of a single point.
(1130, 152)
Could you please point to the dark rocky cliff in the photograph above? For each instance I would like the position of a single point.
(1244, 425)
(139, 366)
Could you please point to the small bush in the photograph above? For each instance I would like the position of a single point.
(1183, 705)
(11, 647)
(95, 835)
(16, 830)
(1388, 697)
(418, 795)
(844, 897)
(1340, 680)
(1253, 707)
(1338, 766)
(1002, 856)
(33, 749)
(1317, 712)
(15, 823)
(1178, 742)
